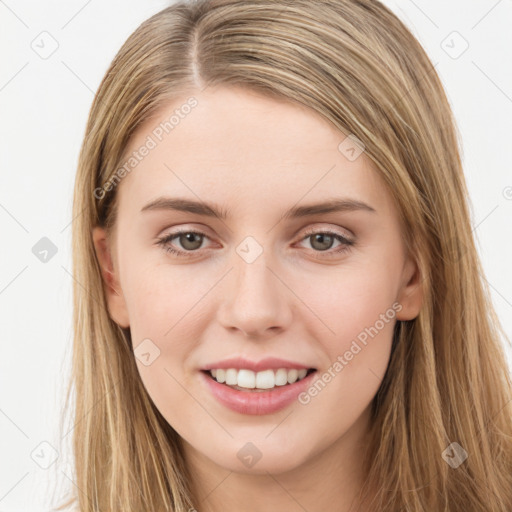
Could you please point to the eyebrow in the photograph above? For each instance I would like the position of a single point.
(212, 210)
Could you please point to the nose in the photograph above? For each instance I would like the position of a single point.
(256, 301)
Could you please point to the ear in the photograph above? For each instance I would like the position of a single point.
(410, 295)
(115, 298)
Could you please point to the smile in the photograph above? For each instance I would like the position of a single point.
(245, 380)
(253, 400)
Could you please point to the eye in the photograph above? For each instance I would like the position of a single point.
(191, 241)
(322, 241)
(188, 239)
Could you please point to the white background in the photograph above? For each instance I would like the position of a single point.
(45, 103)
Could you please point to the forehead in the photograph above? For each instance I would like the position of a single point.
(235, 145)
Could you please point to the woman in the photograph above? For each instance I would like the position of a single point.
(280, 303)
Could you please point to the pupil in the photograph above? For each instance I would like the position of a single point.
(189, 238)
(321, 237)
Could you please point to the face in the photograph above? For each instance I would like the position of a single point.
(268, 283)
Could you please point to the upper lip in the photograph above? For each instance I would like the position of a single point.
(269, 363)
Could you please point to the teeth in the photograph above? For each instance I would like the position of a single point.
(231, 377)
(266, 379)
(281, 377)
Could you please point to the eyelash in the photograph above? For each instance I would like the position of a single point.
(164, 241)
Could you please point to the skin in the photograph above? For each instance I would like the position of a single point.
(257, 157)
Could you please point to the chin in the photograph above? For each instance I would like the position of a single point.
(264, 461)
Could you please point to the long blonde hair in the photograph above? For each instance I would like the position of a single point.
(355, 63)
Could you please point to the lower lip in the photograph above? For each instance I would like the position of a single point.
(257, 402)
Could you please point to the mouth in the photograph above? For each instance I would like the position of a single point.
(258, 395)
(263, 381)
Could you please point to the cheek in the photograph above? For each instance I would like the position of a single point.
(361, 312)
(350, 299)
(357, 311)
(163, 299)
(166, 321)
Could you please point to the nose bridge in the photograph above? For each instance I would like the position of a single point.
(256, 299)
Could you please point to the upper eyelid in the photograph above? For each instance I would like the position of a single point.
(344, 232)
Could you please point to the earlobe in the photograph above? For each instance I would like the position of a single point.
(410, 296)
(115, 298)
